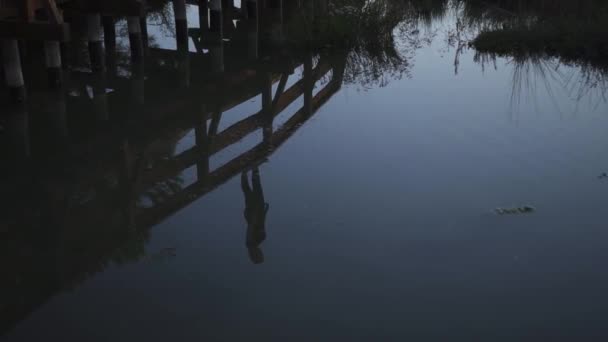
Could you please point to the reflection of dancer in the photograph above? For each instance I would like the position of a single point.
(255, 214)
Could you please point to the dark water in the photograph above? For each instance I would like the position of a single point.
(368, 211)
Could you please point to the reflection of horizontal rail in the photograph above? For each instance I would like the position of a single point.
(234, 133)
(150, 216)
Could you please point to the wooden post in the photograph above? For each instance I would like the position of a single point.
(12, 70)
(96, 50)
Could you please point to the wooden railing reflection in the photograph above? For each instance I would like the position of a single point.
(86, 151)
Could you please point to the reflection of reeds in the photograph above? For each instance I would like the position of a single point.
(533, 72)
(542, 38)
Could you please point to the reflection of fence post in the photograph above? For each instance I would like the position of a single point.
(322, 8)
(181, 34)
(12, 70)
(267, 110)
(216, 116)
(129, 184)
(202, 144)
(217, 35)
(181, 24)
(203, 16)
(276, 24)
(308, 84)
(100, 97)
(253, 42)
(18, 130)
(57, 109)
(135, 39)
(251, 9)
(138, 89)
(52, 58)
(339, 65)
(143, 23)
(96, 50)
(109, 37)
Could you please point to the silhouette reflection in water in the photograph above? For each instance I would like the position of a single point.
(255, 214)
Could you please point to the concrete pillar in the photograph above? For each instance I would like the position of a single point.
(12, 70)
(96, 49)
(135, 39)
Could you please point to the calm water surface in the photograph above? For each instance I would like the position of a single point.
(374, 220)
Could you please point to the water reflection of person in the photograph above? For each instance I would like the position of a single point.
(255, 214)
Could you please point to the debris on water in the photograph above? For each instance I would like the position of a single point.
(514, 211)
(603, 176)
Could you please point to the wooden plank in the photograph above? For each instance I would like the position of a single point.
(34, 31)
